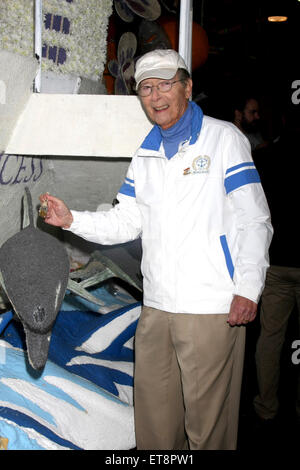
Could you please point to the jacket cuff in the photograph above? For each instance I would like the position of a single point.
(248, 291)
(76, 221)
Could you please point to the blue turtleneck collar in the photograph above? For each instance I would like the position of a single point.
(178, 133)
(188, 127)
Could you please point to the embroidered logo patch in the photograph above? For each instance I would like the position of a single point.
(200, 165)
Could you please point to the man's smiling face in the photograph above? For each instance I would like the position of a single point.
(165, 109)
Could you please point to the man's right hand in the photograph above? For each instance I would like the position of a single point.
(58, 213)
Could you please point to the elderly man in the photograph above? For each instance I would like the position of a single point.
(194, 196)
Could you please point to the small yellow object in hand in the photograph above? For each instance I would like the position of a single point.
(43, 210)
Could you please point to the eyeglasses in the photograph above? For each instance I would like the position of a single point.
(163, 87)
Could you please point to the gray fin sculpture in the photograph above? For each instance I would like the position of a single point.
(34, 268)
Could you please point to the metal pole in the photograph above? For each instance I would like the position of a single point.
(185, 32)
(202, 13)
(38, 17)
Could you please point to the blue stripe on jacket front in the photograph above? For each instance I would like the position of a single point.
(227, 255)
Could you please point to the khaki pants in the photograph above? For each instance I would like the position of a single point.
(281, 294)
(188, 373)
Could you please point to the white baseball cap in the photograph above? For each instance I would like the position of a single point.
(160, 63)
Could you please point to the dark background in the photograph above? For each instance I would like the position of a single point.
(248, 53)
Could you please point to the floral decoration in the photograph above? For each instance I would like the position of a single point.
(74, 33)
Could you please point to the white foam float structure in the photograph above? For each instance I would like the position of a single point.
(85, 125)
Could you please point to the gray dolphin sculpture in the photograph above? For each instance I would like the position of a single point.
(34, 268)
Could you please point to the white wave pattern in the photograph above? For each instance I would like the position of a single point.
(110, 420)
(125, 393)
(102, 338)
(126, 367)
(33, 439)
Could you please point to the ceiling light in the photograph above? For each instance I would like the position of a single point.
(277, 19)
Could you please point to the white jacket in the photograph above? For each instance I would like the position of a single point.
(202, 216)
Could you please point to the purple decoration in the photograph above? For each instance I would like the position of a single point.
(44, 50)
(66, 26)
(56, 22)
(62, 56)
(58, 56)
(59, 24)
(47, 20)
(52, 52)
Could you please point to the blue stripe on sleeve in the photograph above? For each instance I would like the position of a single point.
(240, 179)
(241, 165)
(127, 189)
(227, 255)
(128, 179)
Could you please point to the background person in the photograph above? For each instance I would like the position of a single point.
(279, 170)
(247, 119)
